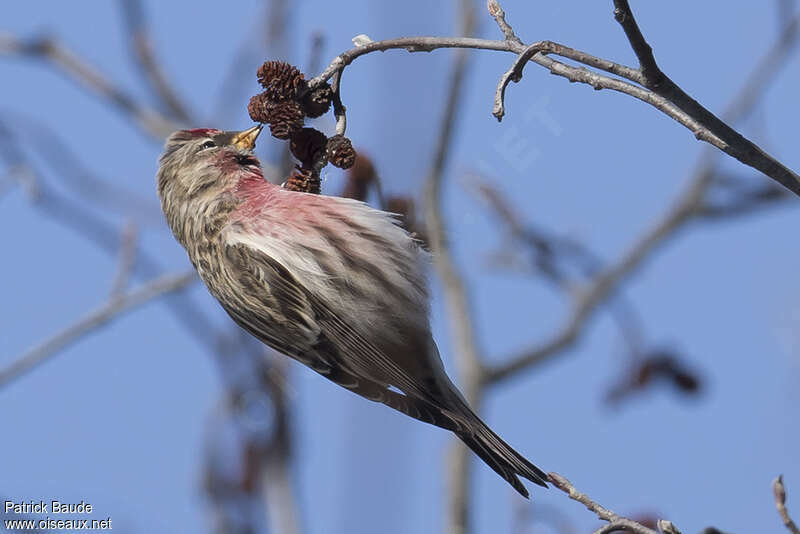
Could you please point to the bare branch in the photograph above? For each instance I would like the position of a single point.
(785, 10)
(618, 522)
(764, 72)
(339, 111)
(94, 320)
(780, 503)
(550, 251)
(573, 74)
(127, 259)
(658, 91)
(548, 47)
(499, 17)
(459, 312)
(55, 153)
(458, 308)
(141, 44)
(96, 230)
(647, 62)
(746, 202)
(667, 527)
(685, 209)
(733, 143)
(56, 54)
(513, 74)
(603, 286)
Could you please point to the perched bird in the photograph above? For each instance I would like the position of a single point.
(328, 281)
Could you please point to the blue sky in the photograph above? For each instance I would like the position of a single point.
(118, 419)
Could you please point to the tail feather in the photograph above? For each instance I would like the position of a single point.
(457, 417)
(465, 424)
(498, 465)
(504, 459)
(498, 454)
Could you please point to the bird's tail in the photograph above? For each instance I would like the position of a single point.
(498, 454)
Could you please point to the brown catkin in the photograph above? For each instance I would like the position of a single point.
(284, 118)
(307, 145)
(257, 108)
(340, 152)
(317, 102)
(303, 180)
(280, 80)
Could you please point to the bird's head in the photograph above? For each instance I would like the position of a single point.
(199, 166)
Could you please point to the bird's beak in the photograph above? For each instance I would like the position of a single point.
(246, 140)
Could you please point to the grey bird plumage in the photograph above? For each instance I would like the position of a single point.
(330, 282)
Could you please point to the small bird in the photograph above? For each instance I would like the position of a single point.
(329, 281)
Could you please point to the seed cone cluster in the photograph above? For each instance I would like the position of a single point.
(340, 152)
(280, 80)
(284, 104)
(303, 180)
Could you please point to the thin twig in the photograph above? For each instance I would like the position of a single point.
(92, 321)
(733, 143)
(58, 55)
(548, 47)
(513, 74)
(550, 250)
(658, 91)
(780, 503)
(499, 16)
(620, 523)
(96, 230)
(339, 111)
(127, 259)
(785, 10)
(602, 287)
(644, 53)
(688, 205)
(614, 526)
(142, 47)
(573, 74)
(56, 154)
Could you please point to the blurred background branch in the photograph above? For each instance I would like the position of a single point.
(66, 62)
(94, 320)
(250, 443)
(142, 48)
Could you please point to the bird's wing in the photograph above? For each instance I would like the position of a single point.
(294, 321)
(278, 309)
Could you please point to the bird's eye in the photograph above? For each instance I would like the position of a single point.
(208, 144)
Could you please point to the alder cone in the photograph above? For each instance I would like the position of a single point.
(317, 102)
(306, 145)
(303, 180)
(284, 118)
(341, 152)
(280, 80)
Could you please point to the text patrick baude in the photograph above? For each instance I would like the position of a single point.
(42, 507)
(56, 516)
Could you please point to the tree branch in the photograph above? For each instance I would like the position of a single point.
(457, 302)
(780, 503)
(141, 45)
(686, 208)
(56, 54)
(127, 259)
(734, 144)
(616, 522)
(96, 230)
(550, 251)
(93, 320)
(601, 287)
(654, 87)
